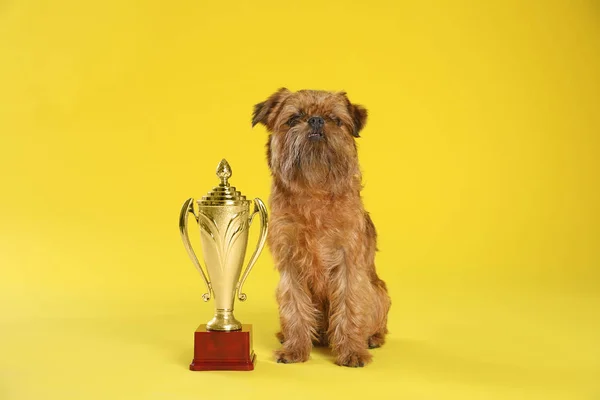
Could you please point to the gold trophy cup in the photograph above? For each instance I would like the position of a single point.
(224, 219)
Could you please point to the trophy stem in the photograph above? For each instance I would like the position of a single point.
(224, 321)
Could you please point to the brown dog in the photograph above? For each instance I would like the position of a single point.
(322, 239)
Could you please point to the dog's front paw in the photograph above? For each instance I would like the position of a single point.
(284, 356)
(354, 359)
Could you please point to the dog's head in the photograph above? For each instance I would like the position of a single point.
(312, 136)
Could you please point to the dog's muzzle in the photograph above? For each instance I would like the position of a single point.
(316, 123)
(315, 136)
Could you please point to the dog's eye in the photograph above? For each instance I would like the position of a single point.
(336, 120)
(294, 120)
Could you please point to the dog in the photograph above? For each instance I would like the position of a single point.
(322, 240)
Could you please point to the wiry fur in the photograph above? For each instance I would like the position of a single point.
(322, 239)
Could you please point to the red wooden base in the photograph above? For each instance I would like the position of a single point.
(223, 351)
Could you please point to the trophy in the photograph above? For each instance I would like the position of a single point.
(224, 219)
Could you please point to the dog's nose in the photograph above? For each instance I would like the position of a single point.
(316, 122)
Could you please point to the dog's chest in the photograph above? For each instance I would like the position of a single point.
(311, 237)
(317, 244)
(322, 236)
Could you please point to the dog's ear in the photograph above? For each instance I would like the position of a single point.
(359, 118)
(263, 111)
(358, 114)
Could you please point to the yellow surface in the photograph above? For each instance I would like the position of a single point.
(481, 166)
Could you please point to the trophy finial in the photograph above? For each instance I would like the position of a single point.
(224, 172)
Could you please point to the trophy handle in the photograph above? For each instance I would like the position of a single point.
(188, 207)
(259, 207)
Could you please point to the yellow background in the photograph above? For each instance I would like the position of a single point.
(480, 160)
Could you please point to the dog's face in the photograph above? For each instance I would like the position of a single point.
(312, 136)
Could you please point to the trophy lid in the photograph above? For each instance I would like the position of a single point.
(224, 194)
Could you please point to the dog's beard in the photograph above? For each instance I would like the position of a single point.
(315, 164)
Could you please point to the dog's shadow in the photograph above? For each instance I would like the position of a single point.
(324, 352)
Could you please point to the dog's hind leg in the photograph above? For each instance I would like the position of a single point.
(382, 305)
